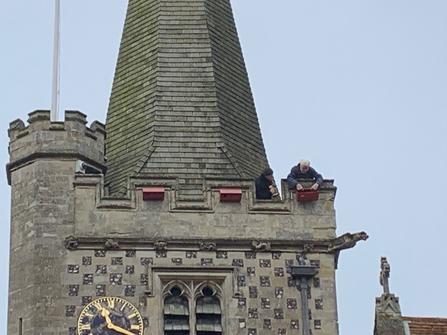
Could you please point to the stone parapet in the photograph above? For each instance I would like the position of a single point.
(178, 218)
(55, 140)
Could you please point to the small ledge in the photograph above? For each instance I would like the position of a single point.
(269, 206)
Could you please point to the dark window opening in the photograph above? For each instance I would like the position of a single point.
(208, 314)
(176, 313)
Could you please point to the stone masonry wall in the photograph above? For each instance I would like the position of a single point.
(262, 300)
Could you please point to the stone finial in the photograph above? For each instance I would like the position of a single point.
(388, 320)
(384, 275)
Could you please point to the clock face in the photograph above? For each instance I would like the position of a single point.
(110, 316)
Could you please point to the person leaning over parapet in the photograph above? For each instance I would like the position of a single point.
(265, 188)
(304, 171)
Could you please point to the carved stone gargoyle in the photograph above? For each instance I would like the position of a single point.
(347, 241)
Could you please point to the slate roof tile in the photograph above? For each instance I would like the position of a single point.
(181, 90)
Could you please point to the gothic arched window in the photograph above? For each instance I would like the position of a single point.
(176, 312)
(193, 306)
(208, 312)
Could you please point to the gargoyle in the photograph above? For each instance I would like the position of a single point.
(347, 241)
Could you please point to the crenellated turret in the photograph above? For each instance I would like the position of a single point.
(45, 139)
(41, 172)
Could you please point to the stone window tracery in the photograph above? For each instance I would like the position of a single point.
(192, 309)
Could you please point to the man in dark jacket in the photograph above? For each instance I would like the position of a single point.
(303, 171)
(264, 185)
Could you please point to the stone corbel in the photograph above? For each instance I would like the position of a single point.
(160, 245)
(207, 246)
(111, 244)
(308, 247)
(261, 246)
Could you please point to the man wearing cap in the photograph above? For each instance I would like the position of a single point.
(264, 185)
(303, 171)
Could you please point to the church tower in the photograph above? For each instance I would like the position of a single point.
(149, 224)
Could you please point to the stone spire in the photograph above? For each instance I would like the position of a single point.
(181, 103)
(388, 319)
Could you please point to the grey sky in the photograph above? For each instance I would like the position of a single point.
(358, 87)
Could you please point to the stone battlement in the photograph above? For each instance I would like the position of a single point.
(173, 217)
(39, 120)
(62, 139)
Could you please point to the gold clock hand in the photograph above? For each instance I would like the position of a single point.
(105, 313)
(119, 329)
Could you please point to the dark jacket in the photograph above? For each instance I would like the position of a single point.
(262, 188)
(296, 175)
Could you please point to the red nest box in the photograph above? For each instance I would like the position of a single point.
(153, 193)
(233, 194)
(306, 195)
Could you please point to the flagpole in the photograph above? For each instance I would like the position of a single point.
(54, 116)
